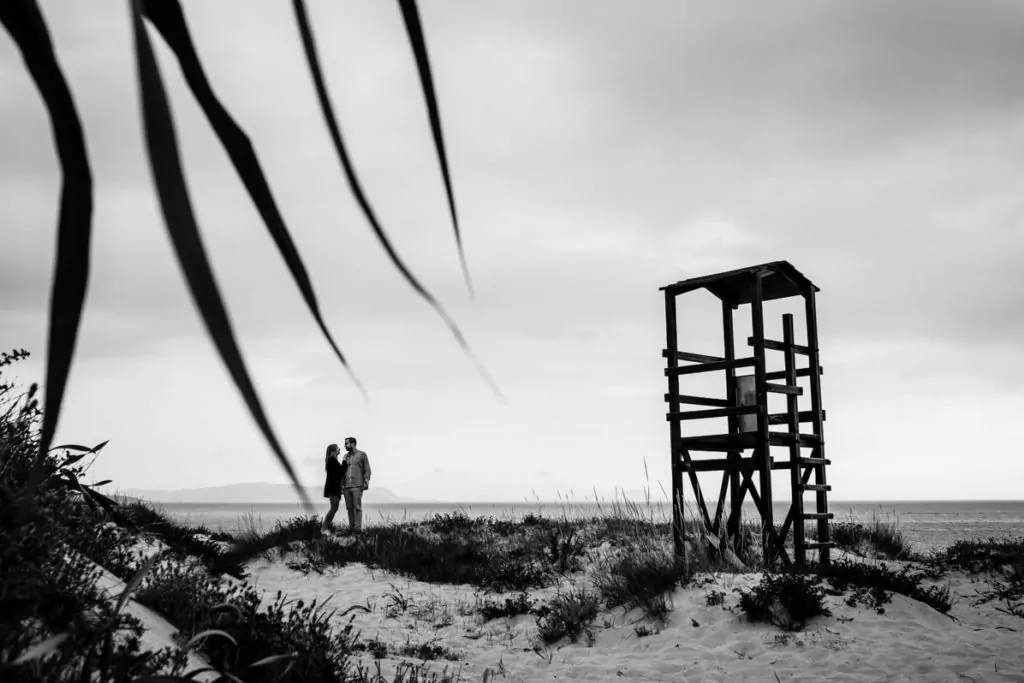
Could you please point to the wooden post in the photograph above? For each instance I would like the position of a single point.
(793, 422)
(817, 423)
(763, 450)
(672, 346)
(733, 473)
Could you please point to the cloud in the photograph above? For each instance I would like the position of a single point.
(599, 151)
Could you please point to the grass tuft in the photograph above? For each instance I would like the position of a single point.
(641, 579)
(568, 615)
(882, 538)
(872, 584)
(511, 607)
(786, 600)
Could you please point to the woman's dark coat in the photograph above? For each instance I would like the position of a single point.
(335, 475)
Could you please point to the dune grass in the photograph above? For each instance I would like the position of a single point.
(881, 537)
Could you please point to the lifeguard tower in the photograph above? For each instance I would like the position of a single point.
(747, 446)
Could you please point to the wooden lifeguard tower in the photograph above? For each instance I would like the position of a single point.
(748, 443)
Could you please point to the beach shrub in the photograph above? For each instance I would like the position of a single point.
(102, 541)
(426, 651)
(190, 598)
(404, 550)
(296, 533)
(510, 607)
(376, 647)
(318, 651)
(873, 582)
(568, 615)
(882, 538)
(308, 646)
(453, 523)
(1010, 593)
(714, 598)
(564, 548)
(644, 630)
(180, 540)
(994, 555)
(1002, 558)
(787, 600)
(504, 527)
(640, 578)
(709, 552)
(55, 623)
(626, 525)
(531, 519)
(49, 591)
(848, 534)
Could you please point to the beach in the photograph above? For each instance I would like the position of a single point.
(910, 642)
(949, 627)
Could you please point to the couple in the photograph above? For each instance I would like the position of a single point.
(350, 478)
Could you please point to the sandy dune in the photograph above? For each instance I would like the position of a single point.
(909, 642)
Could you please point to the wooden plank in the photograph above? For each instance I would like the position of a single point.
(810, 462)
(816, 487)
(733, 442)
(818, 515)
(722, 464)
(814, 364)
(735, 487)
(671, 344)
(734, 439)
(783, 439)
(739, 465)
(789, 389)
(720, 506)
(700, 401)
(783, 418)
(781, 374)
(715, 412)
(763, 450)
(817, 545)
(736, 508)
(781, 346)
(793, 422)
(709, 367)
(693, 357)
(712, 447)
(782, 465)
(698, 495)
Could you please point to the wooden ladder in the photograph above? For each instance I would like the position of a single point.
(801, 467)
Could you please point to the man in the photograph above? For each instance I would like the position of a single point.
(355, 481)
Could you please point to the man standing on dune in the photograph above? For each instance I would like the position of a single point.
(356, 480)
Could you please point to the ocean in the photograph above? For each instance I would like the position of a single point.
(927, 525)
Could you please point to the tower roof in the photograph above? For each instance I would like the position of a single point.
(781, 280)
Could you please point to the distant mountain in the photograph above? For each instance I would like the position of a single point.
(253, 493)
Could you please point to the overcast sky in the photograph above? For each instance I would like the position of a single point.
(599, 150)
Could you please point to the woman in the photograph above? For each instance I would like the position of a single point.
(332, 486)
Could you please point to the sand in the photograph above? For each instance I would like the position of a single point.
(909, 642)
